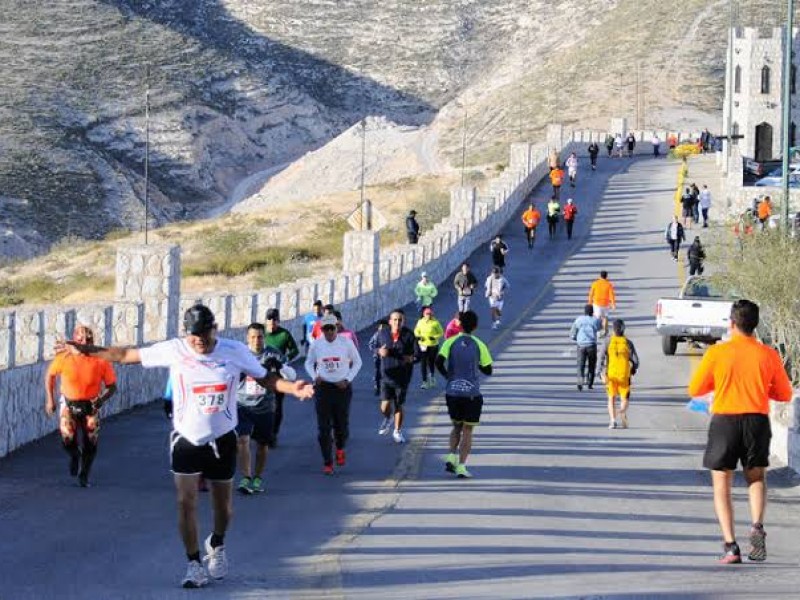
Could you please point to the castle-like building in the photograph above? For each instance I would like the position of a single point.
(753, 91)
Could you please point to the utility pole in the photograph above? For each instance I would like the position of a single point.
(787, 109)
(146, 151)
(729, 125)
(363, 168)
(464, 147)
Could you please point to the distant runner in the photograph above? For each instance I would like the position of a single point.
(496, 287)
(428, 332)
(594, 150)
(570, 212)
(465, 283)
(530, 220)
(553, 211)
(602, 298)
(499, 250)
(572, 168)
(618, 365)
(556, 180)
(282, 340)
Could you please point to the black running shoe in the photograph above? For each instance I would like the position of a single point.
(758, 544)
(731, 554)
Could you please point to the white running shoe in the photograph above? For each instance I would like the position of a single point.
(215, 559)
(398, 437)
(195, 576)
(386, 425)
(496, 325)
(612, 425)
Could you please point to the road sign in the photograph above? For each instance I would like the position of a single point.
(366, 217)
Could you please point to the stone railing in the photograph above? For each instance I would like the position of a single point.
(149, 304)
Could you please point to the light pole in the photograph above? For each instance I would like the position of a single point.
(787, 110)
(464, 146)
(146, 151)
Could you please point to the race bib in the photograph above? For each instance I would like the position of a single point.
(330, 364)
(252, 387)
(210, 398)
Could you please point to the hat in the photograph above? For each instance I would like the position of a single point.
(424, 274)
(569, 201)
(273, 314)
(327, 321)
(198, 320)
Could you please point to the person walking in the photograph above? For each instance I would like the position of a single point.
(744, 376)
(618, 365)
(85, 383)
(697, 256)
(465, 283)
(695, 203)
(609, 144)
(687, 207)
(570, 212)
(602, 299)
(572, 168)
(499, 250)
(282, 340)
(309, 321)
(584, 333)
(425, 291)
(396, 349)
(203, 440)
(556, 180)
(530, 220)
(553, 211)
(333, 363)
(593, 150)
(656, 142)
(496, 287)
(461, 361)
(428, 332)
(630, 142)
(705, 204)
(412, 227)
(674, 234)
(382, 324)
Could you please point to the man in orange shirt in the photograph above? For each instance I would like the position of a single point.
(764, 211)
(557, 178)
(744, 375)
(601, 297)
(82, 381)
(530, 219)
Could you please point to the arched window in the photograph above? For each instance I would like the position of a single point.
(765, 80)
(734, 133)
(737, 80)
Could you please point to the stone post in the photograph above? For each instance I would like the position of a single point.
(362, 251)
(619, 125)
(555, 136)
(7, 350)
(520, 160)
(462, 204)
(151, 274)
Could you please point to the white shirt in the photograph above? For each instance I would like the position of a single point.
(705, 198)
(656, 141)
(673, 231)
(203, 385)
(333, 361)
(496, 287)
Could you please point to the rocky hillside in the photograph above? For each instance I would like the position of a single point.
(237, 86)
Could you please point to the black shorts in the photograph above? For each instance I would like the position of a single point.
(734, 438)
(257, 423)
(188, 459)
(465, 410)
(394, 393)
(688, 212)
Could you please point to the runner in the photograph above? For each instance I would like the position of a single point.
(465, 284)
(618, 365)
(281, 339)
(205, 370)
(744, 375)
(309, 321)
(630, 142)
(530, 219)
(425, 291)
(570, 211)
(499, 250)
(553, 210)
(257, 410)
(168, 410)
(316, 330)
(428, 332)
(593, 150)
(453, 327)
(396, 349)
(496, 287)
(602, 298)
(584, 333)
(86, 383)
(333, 363)
(557, 179)
(656, 142)
(373, 347)
(342, 331)
(618, 144)
(572, 168)
(609, 144)
(461, 361)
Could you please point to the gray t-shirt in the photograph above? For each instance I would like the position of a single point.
(249, 393)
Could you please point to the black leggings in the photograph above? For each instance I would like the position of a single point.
(428, 360)
(333, 413)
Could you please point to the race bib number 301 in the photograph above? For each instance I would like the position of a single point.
(210, 397)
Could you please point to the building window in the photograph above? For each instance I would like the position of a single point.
(734, 133)
(737, 80)
(765, 80)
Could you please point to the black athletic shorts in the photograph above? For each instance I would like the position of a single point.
(465, 410)
(394, 393)
(735, 438)
(257, 423)
(215, 461)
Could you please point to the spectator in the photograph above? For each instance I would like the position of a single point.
(695, 203)
(705, 204)
(764, 211)
(412, 227)
(696, 255)
(687, 204)
(675, 235)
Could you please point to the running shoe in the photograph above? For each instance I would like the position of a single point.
(195, 576)
(398, 437)
(83, 480)
(623, 419)
(244, 486)
(386, 425)
(432, 381)
(256, 485)
(377, 390)
(612, 425)
(496, 325)
(758, 544)
(340, 458)
(462, 473)
(580, 387)
(327, 469)
(424, 385)
(215, 559)
(450, 462)
(731, 554)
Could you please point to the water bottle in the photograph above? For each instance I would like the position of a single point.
(699, 405)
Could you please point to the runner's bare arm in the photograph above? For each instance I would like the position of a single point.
(120, 354)
(301, 389)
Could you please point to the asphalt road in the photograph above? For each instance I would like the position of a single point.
(560, 506)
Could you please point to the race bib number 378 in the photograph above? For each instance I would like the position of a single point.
(210, 397)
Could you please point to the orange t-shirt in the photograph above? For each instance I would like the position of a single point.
(602, 293)
(81, 375)
(764, 210)
(744, 374)
(556, 176)
(531, 218)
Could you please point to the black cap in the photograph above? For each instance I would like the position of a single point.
(273, 314)
(198, 320)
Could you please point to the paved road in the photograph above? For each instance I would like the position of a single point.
(560, 506)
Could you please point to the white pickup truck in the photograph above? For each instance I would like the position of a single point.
(700, 313)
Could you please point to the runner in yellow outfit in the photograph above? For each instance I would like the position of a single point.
(618, 365)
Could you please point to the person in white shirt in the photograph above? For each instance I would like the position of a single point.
(705, 203)
(205, 371)
(656, 145)
(496, 287)
(572, 168)
(333, 363)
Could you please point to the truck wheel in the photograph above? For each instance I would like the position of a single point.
(669, 344)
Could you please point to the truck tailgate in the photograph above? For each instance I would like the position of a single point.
(694, 316)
